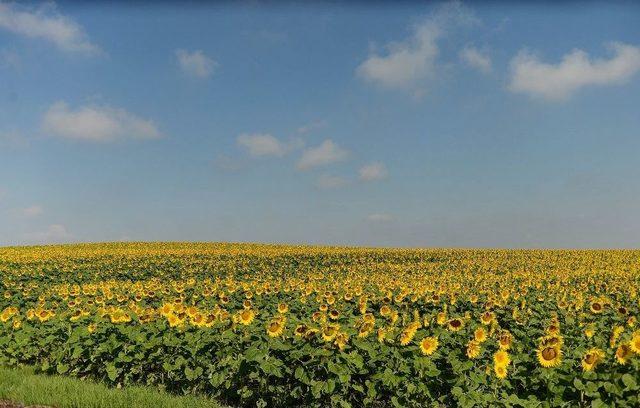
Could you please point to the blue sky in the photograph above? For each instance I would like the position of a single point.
(440, 124)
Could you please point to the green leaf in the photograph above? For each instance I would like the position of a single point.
(112, 371)
(629, 382)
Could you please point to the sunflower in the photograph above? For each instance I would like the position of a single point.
(429, 345)
(473, 349)
(275, 328)
(623, 353)
(615, 335)
(455, 324)
(408, 333)
(589, 331)
(635, 342)
(301, 330)
(334, 314)
(501, 358)
(246, 316)
(504, 340)
(441, 318)
(592, 358)
(596, 307)
(341, 340)
(365, 329)
(480, 335)
(330, 332)
(283, 308)
(500, 371)
(382, 334)
(549, 356)
(385, 310)
(487, 318)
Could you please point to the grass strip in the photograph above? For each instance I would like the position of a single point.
(24, 386)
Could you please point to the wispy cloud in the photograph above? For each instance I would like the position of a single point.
(407, 62)
(475, 58)
(576, 70)
(196, 63)
(96, 123)
(46, 23)
(373, 171)
(326, 153)
(264, 144)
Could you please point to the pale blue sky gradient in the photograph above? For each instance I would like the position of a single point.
(468, 160)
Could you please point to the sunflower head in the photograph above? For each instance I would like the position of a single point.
(549, 356)
(429, 345)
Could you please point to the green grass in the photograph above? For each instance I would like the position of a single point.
(22, 385)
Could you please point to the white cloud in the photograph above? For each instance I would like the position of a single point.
(326, 153)
(380, 217)
(476, 59)
(407, 62)
(576, 70)
(32, 211)
(373, 171)
(54, 233)
(196, 63)
(326, 182)
(96, 123)
(264, 144)
(47, 24)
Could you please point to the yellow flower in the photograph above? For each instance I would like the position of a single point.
(429, 345)
(330, 332)
(500, 371)
(480, 335)
(549, 356)
(501, 358)
(455, 324)
(623, 353)
(246, 316)
(408, 333)
(473, 349)
(275, 328)
(592, 358)
(283, 308)
(635, 342)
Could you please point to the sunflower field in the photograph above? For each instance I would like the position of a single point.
(269, 326)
